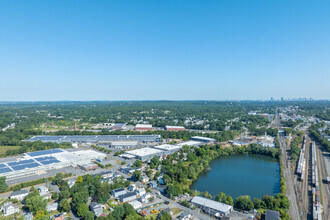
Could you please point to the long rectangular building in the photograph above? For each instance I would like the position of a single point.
(94, 139)
(38, 161)
(212, 207)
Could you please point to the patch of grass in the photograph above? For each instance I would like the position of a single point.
(3, 149)
(176, 211)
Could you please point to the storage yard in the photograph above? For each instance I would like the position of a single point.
(42, 161)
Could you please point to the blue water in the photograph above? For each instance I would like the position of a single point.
(253, 175)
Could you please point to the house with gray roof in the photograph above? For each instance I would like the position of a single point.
(19, 195)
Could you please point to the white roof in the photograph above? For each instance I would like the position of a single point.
(144, 151)
(170, 126)
(218, 206)
(143, 126)
(136, 204)
(167, 147)
(190, 143)
(204, 138)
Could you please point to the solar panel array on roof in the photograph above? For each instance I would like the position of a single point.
(2, 165)
(47, 160)
(23, 164)
(44, 152)
(5, 170)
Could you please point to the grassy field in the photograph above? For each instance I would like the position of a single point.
(3, 149)
(176, 211)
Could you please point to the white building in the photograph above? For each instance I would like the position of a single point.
(8, 208)
(136, 204)
(212, 207)
(19, 195)
(118, 192)
(140, 191)
(52, 207)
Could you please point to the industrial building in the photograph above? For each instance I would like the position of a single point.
(212, 207)
(118, 127)
(174, 128)
(123, 144)
(203, 139)
(168, 148)
(95, 139)
(145, 153)
(190, 143)
(143, 127)
(42, 161)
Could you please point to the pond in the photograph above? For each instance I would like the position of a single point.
(253, 175)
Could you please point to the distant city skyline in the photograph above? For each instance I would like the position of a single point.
(164, 50)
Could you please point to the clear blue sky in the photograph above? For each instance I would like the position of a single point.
(173, 49)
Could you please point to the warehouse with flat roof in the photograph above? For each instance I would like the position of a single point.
(203, 139)
(94, 139)
(145, 153)
(37, 161)
(168, 148)
(174, 128)
(212, 207)
(143, 127)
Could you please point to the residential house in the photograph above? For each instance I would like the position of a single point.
(140, 191)
(97, 208)
(60, 216)
(132, 188)
(162, 188)
(28, 216)
(185, 216)
(19, 195)
(153, 184)
(145, 198)
(8, 208)
(71, 182)
(52, 207)
(144, 179)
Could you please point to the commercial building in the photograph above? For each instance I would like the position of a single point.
(190, 143)
(118, 192)
(174, 128)
(88, 166)
(145, 153)
(168, 148)
(42, 161)
(212, 207)
(136, 204)
(118, 127)
(124, 144)
(143, 127)
(19, 195)
(203, 139)
(127, 197)
(95, 139)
